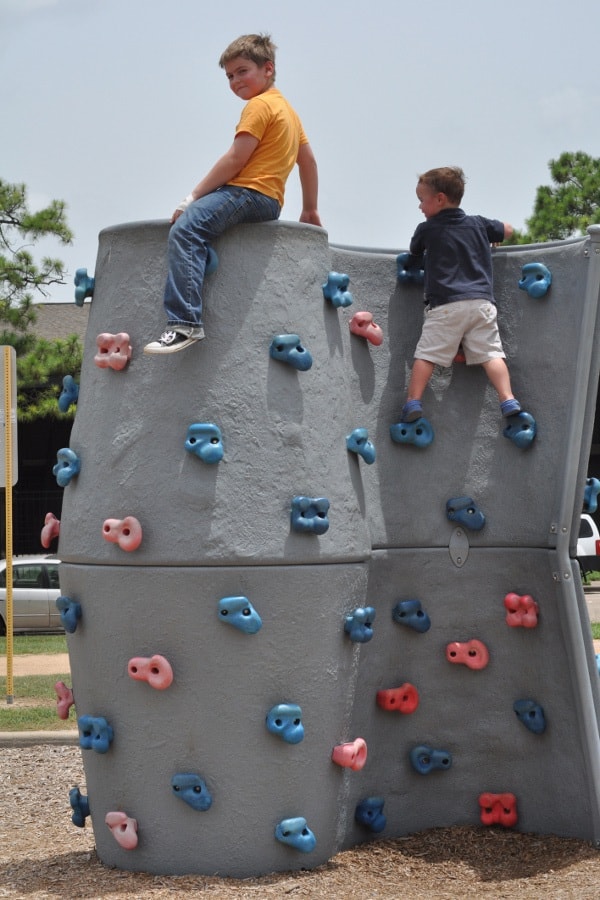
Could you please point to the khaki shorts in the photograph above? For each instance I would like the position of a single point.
(472, 323)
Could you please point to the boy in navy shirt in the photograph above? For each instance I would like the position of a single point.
(454, 250)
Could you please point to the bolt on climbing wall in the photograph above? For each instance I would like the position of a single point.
(295, 623)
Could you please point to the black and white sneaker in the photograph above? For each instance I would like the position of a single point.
(174, 339)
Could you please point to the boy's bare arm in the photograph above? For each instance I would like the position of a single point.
(227, 167)
(309, 180)
(508, 231)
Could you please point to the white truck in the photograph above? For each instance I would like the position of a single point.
(588, 545)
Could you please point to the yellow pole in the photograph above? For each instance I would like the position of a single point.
(8, 516)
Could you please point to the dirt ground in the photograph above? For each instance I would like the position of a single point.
(43, 855)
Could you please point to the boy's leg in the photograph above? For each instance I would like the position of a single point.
(422, 371)
(189, 238)
(498, 374)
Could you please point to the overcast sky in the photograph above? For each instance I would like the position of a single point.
(119, 107)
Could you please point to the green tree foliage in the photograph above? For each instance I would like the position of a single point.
(41, 364)
(566, 207)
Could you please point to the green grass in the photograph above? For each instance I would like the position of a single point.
(35, 643)
(596, 631)
(34, 704)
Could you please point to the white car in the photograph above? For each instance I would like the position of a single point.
(588, 544)
(35, 589)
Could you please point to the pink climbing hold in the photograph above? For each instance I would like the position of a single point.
(521, 611)
(114, 350)
(403, 699)
(155, 670)
(473, 654)
(64, 699)
(127, 532)
(124, 829)
(50, 530)
(352, 755)
(362, 324)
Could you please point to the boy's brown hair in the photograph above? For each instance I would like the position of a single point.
(257, 47)
(448, 180)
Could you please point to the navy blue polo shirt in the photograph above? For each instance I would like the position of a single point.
(454, 249)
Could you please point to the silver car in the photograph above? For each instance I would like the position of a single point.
(35, 589)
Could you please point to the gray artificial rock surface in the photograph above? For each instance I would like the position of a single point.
(223, 530)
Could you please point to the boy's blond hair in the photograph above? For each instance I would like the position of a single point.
(448, 180)
(257, 47)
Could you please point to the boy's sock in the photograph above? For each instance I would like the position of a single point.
(411, 411)
(510, 407)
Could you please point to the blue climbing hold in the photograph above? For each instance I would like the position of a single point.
(336, 290)
(212, 261)
(204, 440)
(369, 812)
(84, 286)
(285, 721)
(358, 442)
(465, 511)
(425, 759)
(288, 348)
(80, 805)
(94, 733)
(590, 495)
(239, 612)
(521, 429)
(296, 833)
(406, 273)
(359, 624)
(70, 613)
(420, 432)
(67, 467)
(190, 788)
(536, 279)
(309, 515)
(69, 393)
(531, 715)
(411, 614)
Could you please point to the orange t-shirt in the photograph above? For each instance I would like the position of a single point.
(270, 118)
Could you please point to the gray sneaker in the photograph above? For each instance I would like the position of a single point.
(176, 338)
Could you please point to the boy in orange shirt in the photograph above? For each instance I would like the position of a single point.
(245, 185)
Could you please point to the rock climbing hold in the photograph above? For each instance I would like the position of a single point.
(403, 699)
(521, 429)
(359, 624)
(369, 812)
(114, 351)
(362, 325)
(68, 465)
(80, 805)
(358, 442)
(336, 290)
(50, 530)
(352, 755)
(285, 720)
(296, 833)
(94, 733)
(406, 273)
(288, 348)
(64, 699)
(531, 714)
(70, 613)
(69, 393)
(521, 610)
(498, 809)
(191, 788)
(239, 612)
(124, 829)
(420, 432)
(204, 440)
(465, 511)
(535, 279)
(473, 654)
(84, 286)
(154, 670)
(590, 495)
(411, 614)
(425, 760)
(127, 532)
(309, 515)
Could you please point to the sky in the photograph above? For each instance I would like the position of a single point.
(119, 107)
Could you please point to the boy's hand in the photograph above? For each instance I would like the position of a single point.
(310, 217)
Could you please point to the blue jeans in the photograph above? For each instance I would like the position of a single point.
(190, 236)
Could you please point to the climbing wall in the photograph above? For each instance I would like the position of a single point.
(286, 635)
